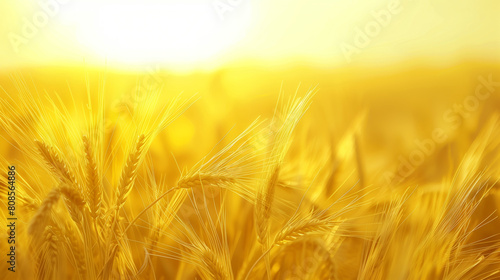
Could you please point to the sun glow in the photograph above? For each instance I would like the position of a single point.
(173, 34)
(194, 34)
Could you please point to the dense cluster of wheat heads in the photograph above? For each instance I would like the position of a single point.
(94, 206)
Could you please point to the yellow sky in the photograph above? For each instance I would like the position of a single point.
(192, 34)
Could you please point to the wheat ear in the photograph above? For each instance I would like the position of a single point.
(279, 145)
(196, 180)
(55, 162)
(263, 207)
(304, 227)
(213, 266)
(296, 230)
(73, 196)
(94, 190)
(202, 179)
(47, 257)
(74, 201)
(43, 211)
(129, 172)
(75, 205)
(75, 246)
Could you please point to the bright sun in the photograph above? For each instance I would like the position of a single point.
(174, 33)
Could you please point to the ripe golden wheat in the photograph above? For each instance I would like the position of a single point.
(259, 205)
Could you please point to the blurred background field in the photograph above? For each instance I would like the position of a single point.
(390, 107)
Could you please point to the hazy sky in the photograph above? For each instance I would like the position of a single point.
(202, 34)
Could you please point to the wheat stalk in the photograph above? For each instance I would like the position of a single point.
(127, 179)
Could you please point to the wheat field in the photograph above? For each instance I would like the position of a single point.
(239, 177)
